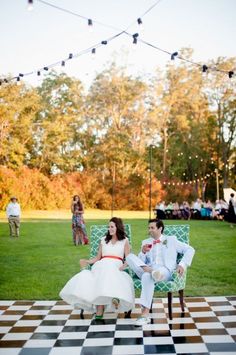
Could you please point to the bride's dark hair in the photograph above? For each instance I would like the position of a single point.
(120, 232)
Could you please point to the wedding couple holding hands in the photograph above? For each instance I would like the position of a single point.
(106, 287)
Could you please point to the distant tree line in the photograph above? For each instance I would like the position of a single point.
(58, 139)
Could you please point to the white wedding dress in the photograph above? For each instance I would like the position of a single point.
(102, 283)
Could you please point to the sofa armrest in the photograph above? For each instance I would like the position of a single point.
(177, 278)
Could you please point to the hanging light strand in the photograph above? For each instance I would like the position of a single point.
(230, 73)
(70, 56)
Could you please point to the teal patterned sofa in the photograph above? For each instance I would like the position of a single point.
(176, 284)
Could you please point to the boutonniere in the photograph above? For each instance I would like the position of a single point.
(164, 242)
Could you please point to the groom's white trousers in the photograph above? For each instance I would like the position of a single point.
(148, 284)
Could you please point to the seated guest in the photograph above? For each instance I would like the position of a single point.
(160, 210)
(169, 210)
(176, 211)
(197, 205)
(208, 207)
(216, 210)
(224, 210)
(185, 210)
(162, 206)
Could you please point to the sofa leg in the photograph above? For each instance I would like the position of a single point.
(151, 307)
(181, 299)
(169, 295)
(82, 314)
(128, 314)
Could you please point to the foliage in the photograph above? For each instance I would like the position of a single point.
(18, 107)
(57, 139)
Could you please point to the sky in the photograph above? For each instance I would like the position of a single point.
(30, 40)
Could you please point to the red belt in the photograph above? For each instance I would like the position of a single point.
(112, 257)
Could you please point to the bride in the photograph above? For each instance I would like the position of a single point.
(106, 287)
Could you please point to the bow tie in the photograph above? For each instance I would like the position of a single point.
(156, 241)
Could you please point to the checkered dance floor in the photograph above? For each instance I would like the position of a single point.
(208, 326)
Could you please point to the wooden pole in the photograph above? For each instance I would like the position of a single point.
(150, 181)
(113, 189)
(217, 184)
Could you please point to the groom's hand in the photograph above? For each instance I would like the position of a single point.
(146, 248)
(180, 270)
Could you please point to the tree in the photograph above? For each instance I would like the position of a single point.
(119, 122)
(60, 124)
(222, 100)
(18, 106)
(180, 108)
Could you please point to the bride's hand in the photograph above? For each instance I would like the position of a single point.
(121, 268)
(83, 263)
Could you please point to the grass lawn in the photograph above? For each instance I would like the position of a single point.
(38, 264)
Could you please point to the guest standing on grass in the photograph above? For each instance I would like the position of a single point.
(231, 217)
(106, 287)
(13, 214)
(78, 225)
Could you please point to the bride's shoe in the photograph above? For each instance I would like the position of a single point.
(99, 316)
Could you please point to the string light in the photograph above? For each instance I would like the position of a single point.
(173, 55)
(204, 68)
(30, 5)
(93, 51)
(90, 25)
(135, 38)
(140, 23)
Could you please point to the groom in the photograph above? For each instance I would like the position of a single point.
(156, 262)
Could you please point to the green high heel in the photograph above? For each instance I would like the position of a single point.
(99, 316)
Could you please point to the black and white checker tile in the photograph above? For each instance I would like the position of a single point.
(208, 326)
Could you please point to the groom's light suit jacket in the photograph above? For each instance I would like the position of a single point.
(170, 247)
